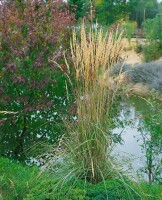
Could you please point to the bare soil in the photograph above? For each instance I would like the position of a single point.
(130, 55)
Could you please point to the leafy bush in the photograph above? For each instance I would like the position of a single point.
(153, 29)
(151, 51)
(114, 189)
(139, 48)
(129, 29)
(19, 182)
(15, 180)
(48, 189)
(147, 73)
(80, 7)
(120, 66)
(32, 34)
(150, 131)
(153, 33)
(148, 191)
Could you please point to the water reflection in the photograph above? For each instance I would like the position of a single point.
(134, 151)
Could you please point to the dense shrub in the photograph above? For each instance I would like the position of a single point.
(150, 134)
(32, 34)
(80, 190)
(147, 73)
(79, 7)
(153, 32)
(129, 29)
(120, 66)
(15, 180)
(153, 29)
(151, 51)
(21, 182)
(139, 48)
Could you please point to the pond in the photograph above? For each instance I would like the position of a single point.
(140, 149)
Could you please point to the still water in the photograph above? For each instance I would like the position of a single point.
(133, 148)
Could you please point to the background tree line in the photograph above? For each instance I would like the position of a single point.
(109, 11)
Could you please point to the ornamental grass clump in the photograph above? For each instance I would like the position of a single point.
(94, 54)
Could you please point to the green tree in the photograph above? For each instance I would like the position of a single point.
(140, 10)
(79, 7)
(109, 11)
(153, 29)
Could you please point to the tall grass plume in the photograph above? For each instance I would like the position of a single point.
(94, 54)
